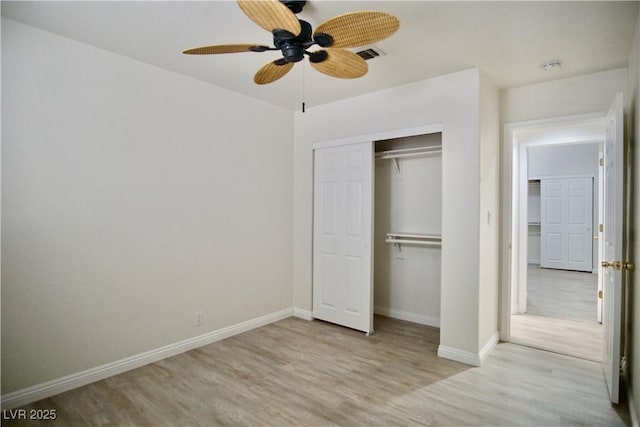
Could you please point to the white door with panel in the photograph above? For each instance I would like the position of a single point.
(342, 236)
(613, 229)
(566, 223)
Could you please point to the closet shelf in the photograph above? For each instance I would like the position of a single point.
(419, 239)
(432, 150)
(534, 223)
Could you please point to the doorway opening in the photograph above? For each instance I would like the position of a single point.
(554, 217)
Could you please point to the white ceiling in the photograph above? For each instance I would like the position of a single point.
(509, 40)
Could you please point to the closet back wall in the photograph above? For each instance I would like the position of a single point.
(407, 278)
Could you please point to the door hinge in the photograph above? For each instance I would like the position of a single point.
(602, 228)
(600, 294)
(617, 265)
(601, 161)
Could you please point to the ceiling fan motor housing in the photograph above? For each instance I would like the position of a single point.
(294, 6)
(293, 47)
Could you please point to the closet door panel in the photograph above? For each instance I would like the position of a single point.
(328, 206)
(354, 210)
(353, 294)
(326, 200)
(342, 288)
(326, 296)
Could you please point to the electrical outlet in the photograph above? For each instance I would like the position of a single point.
(199, 318)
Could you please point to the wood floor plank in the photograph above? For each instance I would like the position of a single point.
(564, 336)
(561, 314)
(563, 294)
(310, 373)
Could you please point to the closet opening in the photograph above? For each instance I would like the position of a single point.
(407, 236)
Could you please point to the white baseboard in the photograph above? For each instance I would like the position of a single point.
(69, 382)
(461, 356)
(488, 346)
(302, 314)
(408, 316)
(467, 357)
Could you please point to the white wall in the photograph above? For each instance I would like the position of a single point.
(132, 197)
(562, 160)
(576, 95)
(407, 286)
(489, 214)
(453, 101)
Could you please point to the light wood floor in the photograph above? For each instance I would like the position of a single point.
(560, 293)
(564, 336)
(310, 373)
(561, 314)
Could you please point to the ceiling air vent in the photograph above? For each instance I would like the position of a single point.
(369, 52)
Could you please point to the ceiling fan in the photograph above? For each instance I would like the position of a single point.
(294, 37)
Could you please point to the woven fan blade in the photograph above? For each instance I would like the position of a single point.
(222, 48)
(270, 15)
(272, 71)
(342, 64)
(359, 28)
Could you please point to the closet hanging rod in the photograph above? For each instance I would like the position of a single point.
(422, 236)
(415, 242)
(410, 152)
(420, 239)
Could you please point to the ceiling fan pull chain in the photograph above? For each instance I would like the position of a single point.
(304, 75)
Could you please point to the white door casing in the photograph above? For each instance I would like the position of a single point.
(342, 236)
(566, 223)
(613, 245)
(518, 137)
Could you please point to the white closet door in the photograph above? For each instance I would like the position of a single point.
(342, 235)
(566, 222)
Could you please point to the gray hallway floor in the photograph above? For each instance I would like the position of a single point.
(561, 314)
(560, 293)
